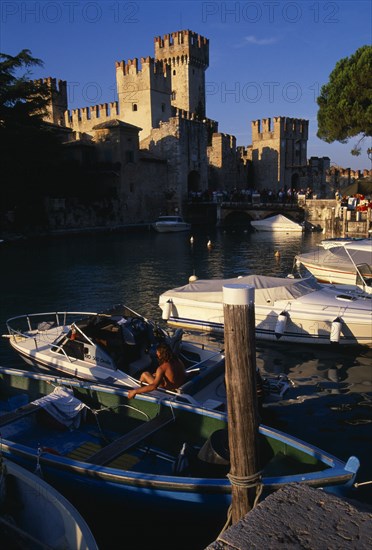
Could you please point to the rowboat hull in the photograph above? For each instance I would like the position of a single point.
(42, 513)
(152, 471)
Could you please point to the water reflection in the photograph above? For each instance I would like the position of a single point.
(331, 388)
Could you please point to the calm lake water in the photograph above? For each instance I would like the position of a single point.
(332, 407)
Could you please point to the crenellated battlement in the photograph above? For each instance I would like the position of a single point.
(280, 127)
(58, 98)
(56, 87)
(348, 172)
(185, 46)
(188, 115)
(147, 64)
(85, 118)
(224, 141)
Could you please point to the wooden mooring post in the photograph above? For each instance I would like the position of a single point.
(242, 406)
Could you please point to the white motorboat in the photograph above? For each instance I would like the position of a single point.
(114, 348)
(336, 261)
(170, 224)
(301, 311)
(277, 223)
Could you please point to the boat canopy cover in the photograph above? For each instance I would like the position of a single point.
(341, 256)
(277, 221)
(267, 289)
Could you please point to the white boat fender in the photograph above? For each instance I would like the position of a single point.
(281, 324)
(167, 310)
(336, 330)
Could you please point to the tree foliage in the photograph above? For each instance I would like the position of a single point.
(22, 101)
(345, 102)
(30, 148)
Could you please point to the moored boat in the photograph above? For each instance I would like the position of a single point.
(35, 515)
(286, 309)
(346, 261)
(277, 223)
(171, 224)
(114, 348)
(93, 441)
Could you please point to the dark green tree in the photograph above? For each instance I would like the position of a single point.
(30, 148)
(22, 101)
(345, 102)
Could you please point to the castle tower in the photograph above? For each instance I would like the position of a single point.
(144, 93)
(58, 100)
(187, 53)
(279, 151)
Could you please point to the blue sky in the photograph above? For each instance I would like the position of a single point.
(267, 58)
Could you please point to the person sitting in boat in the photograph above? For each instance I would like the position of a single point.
(170, 374)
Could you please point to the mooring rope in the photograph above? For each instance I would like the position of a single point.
(246, 481)
(249, 482)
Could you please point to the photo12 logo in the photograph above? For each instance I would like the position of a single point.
(270, 12)
(253, 92)
(69, 12)
(89, 93)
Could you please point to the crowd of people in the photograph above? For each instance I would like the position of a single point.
(358, 201)
(283, 196)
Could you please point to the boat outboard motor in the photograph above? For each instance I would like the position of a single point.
(215, 454)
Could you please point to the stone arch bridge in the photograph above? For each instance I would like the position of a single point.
(239, 213)
(231, 213)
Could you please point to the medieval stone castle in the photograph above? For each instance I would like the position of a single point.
(158, 147)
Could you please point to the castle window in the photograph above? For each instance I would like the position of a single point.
(163, 107)
(174, 71)
(134, 107)
(129, 156)
(173, 95)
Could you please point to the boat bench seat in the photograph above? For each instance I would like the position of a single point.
(21, 412)
(119, 446)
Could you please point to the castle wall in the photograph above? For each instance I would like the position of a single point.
(222, 160)
(187, 54)
(164, 99)
(340, 177)
(116, 143)
(143, 190)
(183, 141)
(83, 120)
(144, 93)
(279, 151)
(58, 103)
